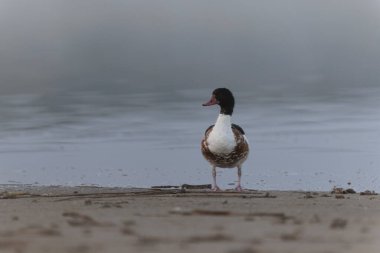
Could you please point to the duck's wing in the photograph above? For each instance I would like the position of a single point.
(237, 127)
(204, 146)
(241, 151)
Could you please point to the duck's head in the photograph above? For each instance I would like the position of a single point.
(224, 98)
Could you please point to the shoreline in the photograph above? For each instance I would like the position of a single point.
(100, 219)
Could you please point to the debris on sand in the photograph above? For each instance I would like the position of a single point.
(12, 195)
(184, 186)
(77, 220)
(32, 230)
(308, 195)
(280, 217)
(338, 223)
(338, 190)
(211, 212)
(195, 186)
(149, 240)
(210, 238)
(88, 202)
(127, 231)
(179, 210)
(266, 195)
(367, 192)
(165, 187)
(350, 191)
(49, 232)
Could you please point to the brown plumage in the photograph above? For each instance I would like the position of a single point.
(231, 160)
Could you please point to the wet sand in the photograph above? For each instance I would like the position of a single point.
(92, 219)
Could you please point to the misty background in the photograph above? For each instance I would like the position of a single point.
(134, 45)
(109, 92)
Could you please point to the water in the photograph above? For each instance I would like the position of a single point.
(299, 142)
(110, 94)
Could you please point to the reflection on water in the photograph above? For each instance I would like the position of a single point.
(304, 141)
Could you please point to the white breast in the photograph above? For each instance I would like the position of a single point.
(221, 140)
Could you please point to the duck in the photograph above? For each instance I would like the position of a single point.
(224, 144)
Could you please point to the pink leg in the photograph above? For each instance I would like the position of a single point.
(215, 186)
(238, 187)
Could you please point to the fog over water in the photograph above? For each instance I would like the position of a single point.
(110, 92)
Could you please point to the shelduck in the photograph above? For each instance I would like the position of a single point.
(224, 144)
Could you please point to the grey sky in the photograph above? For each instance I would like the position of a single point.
(149, 44)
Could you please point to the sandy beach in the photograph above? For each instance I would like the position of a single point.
(92, 219)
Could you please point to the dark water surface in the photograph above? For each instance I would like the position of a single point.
(304, 141)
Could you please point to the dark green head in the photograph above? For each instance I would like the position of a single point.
(224, 98)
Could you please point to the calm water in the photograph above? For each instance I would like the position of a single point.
(308, 142)
(109, 93)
